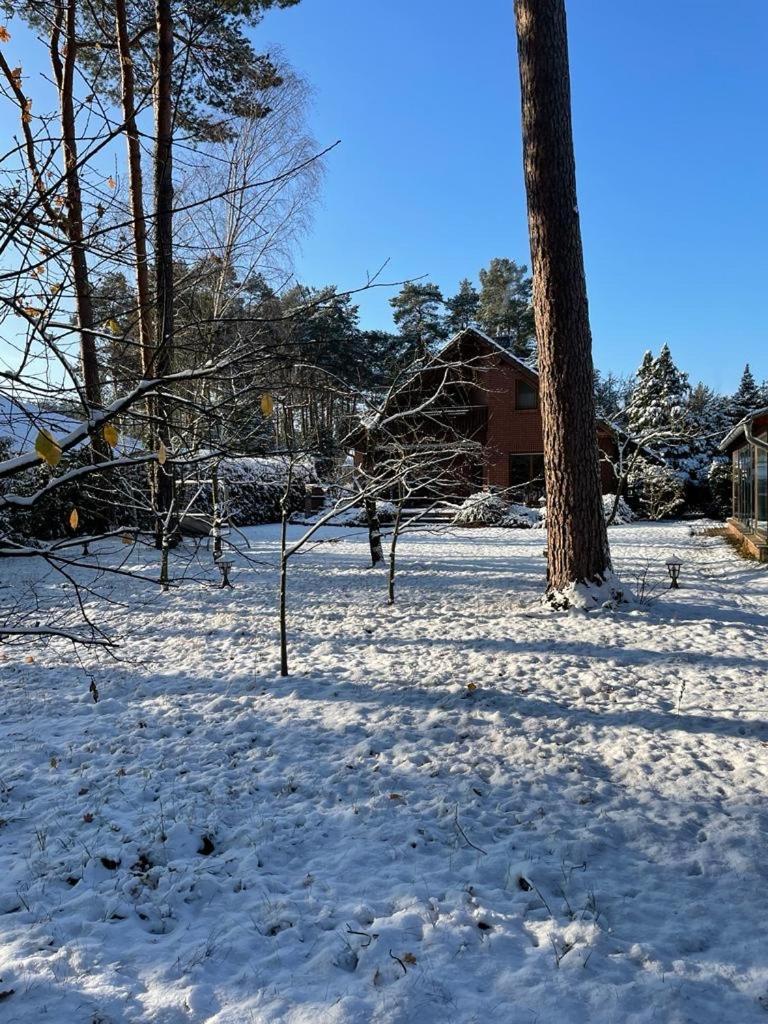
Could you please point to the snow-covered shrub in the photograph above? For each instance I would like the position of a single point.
(658, 490)
(522, 517)
(386, 511)
(624, 513)
(486, 508)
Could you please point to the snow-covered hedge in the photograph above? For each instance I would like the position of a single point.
(255, 487)
(103, 500)
(486, 508)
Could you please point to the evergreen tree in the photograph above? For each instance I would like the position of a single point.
(611, 395)
(325, 331)
(418, 313)
(504, 310)
(710, 412)
(747, 397)
(659, 399)
(660, 418)
(384, 355)
(114, 306)
(462, 307)
(709, 419)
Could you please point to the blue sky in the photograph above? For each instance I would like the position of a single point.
(672, 158)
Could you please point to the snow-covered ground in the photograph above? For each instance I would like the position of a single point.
(464, 808)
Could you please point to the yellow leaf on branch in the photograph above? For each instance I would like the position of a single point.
(74, 518)
(267, 405)
(111, 183)
(5, 35)
(113, 326)
(111, 434)
(47, 447)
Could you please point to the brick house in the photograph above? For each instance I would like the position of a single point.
(493, 401)
(501, 411)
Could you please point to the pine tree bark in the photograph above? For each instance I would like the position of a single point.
(136, 187)
(164, 324)
(139, 229)
(577, 540)
(64, 31)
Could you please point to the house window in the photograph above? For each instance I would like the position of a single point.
(526, 395)
(526, 477)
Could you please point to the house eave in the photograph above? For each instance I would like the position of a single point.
(741, 428)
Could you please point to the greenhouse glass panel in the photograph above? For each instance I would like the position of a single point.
(761, 488)
(744, 486)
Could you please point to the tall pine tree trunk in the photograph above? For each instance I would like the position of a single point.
(63, 50)
(164, 326)
(577, 540)
(136, 188)
(139, 229)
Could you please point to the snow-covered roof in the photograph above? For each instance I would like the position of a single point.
(494, 343)
(740, 428)
(516, 361)
(20, 422)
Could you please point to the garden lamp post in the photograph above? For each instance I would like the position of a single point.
(674, 565)
(225, 565)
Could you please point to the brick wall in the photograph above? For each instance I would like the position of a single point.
(510, 430)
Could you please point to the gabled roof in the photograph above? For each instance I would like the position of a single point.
(741, 428)
(495, 344)
(519, 364)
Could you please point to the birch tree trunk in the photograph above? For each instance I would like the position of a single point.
(577, 540)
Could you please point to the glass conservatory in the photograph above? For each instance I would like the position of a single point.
(750, 486)
(747, 444)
